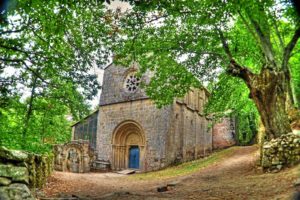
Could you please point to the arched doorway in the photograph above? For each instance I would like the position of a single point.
(128, 144)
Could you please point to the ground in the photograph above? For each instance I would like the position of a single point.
(228, 174)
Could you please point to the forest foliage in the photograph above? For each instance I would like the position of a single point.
(181, 39)
(254, 41)
(48, 125)
(48, 50)
(230, 98)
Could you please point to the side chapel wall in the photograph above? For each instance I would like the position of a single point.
(190, 136)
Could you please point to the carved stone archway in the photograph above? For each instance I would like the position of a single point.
(74, 156)
(126, 135)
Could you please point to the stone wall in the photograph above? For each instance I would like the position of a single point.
(20, 170)
(194, 135)
(113, 90)
(175, 133)
(224, 133)
(190, 136)
(281, 152)
(74, 156)
(155, 125)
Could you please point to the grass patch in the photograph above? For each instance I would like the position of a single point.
(185, 168)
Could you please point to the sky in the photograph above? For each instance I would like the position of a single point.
(118, 4)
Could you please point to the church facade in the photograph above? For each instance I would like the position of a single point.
(134, 133)
(129, 131)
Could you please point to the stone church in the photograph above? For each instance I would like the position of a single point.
(130, 125)
(129, 131)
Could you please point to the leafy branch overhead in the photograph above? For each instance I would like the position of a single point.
(254, 41)
(56, 42)
(47, 52)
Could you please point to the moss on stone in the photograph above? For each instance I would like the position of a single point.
(12, 155)
(4, 181)
(15, 191)
(281, 152)
(23, 167)
(17, 174)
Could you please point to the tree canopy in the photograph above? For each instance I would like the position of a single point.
(47, 52)
(255, 41)
(55, 42)
(239, 48)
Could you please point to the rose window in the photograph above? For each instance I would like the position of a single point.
(132, 83)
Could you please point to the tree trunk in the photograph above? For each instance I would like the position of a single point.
(253, 128)
(294, 95)
(269, 91)
(29, 112)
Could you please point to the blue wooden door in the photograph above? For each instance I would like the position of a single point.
(134, 157)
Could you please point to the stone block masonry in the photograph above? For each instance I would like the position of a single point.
(133, 133)
(135, 123)
(75, 156)
(20, 170)
(224, 133)
(281, 152)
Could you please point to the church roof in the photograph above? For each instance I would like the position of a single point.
(84, 118)
(107, 66)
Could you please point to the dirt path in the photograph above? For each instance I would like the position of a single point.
(233, 177)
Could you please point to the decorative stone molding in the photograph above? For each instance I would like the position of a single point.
(127, 134)
(75, 156)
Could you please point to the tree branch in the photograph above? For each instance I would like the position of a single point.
(225, 44)
(289, 48)
(239, 71)
(234, 68)
(264, 41)
(35, 73)
(207, 53)
(10, 60)
(155, 18)
(14, 49)
(12, 31)
(247, 25)
(278, 33)
(29, 110)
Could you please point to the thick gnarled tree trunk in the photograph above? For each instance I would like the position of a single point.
(271, 87)
(269, 91)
